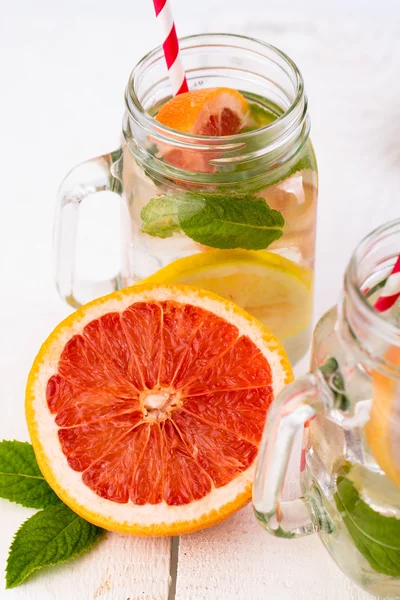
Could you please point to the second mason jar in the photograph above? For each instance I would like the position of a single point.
(232, 214)
(348, 410)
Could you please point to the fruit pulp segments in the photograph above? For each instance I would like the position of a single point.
(144, 398)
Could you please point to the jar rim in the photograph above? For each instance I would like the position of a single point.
(149, 123)
(379, 327)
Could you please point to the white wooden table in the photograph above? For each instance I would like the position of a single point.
(61, 101)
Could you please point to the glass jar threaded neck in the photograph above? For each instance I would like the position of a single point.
(255, 68)
(372, 335)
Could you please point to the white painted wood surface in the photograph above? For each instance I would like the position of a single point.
(61, 101)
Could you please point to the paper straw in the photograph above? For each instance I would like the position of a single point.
(391, 291)
(171, 47)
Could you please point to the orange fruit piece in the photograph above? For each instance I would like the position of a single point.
(383, 428)
(208, 111)
(146, 408)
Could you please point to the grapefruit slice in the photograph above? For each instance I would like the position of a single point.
(208, 111)
(383, 428)
(146, 408)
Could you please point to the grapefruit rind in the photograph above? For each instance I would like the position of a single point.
(146, 520)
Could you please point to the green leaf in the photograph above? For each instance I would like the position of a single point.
(260, 116)
(20, 477)
(376, 537)
(51, 536)
(307, 161)
(226, 222)
(160, 217)
(216, 221)
(334, 379)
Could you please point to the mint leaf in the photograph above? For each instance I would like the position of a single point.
(20, 477)
(334, 379)
(260, 115)
(376, 537)
(51, 536)
(306, 161)
(229, 222)
(160, 217)
(215, 221)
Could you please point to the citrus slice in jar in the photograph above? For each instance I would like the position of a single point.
(146, 408)
(208, 112)
(271, 288)
(383, 428)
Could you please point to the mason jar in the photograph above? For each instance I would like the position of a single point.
(233, 214)
(348, 407)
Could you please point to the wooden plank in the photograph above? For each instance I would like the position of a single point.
(237, 560)
(119, 567)
(350, 69)
(56, 125)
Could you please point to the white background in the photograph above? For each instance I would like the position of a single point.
(188, 8)
(64, 67)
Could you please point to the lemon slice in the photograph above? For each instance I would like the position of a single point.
(273, 289)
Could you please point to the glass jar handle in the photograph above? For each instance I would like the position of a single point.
(88, 178)
(298, 403)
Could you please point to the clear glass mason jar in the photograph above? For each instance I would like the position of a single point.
(349, 406)
(234, 214)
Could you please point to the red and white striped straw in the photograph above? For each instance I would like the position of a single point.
(391, 291)
(171, 47)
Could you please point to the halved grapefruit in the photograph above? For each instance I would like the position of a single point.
(146, 408)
